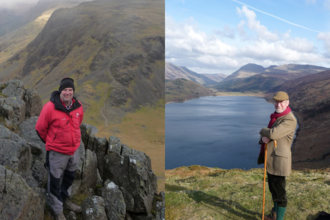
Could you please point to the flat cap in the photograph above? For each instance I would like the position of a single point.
(281, 96)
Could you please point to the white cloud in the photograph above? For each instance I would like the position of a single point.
(325, 37)
(12, 3)
(187, 45)
(186, 38)
(226, 32)
(255, 25)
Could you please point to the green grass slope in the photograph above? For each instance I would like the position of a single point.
(180, 90)
(197, 192)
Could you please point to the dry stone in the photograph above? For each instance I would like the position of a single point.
(114, 201)
(131, 171)
(14, 151)
(17, 199)
(93, 209)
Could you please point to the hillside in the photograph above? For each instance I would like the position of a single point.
(175, 72)
(114, 51)
(180, 90)
(197, 192)
(268, 78)
(218, 77)
(310, 101)
(16, 40)
(245, 71)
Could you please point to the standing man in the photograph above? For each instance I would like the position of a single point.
(281, 129)
(58, 127)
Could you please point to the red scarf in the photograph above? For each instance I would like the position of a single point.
(273, 118)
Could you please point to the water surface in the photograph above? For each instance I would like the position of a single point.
(220, 131)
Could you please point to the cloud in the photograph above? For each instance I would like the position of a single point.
(226, 32)
(281, 19)
(187, 45)
(325, 37)
(255, 25)
(186, 38)
(12, 3)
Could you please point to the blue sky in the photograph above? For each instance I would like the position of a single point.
(220, 36)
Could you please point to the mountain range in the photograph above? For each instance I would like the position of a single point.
(175, 72)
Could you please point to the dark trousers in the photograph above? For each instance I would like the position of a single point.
(277, 188)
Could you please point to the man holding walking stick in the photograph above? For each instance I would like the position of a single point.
(278, 136)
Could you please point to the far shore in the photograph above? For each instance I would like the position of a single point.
(224, 94)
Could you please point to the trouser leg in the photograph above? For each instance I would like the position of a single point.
(277, 188)
(69, 175)
(57, 163)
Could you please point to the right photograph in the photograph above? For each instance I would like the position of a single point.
(247, 114)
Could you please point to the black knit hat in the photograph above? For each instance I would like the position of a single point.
(66, 83)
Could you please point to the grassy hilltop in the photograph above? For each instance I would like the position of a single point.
(197, 192)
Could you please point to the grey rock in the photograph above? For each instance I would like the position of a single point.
(18, 200)
(158, 206)
(86, 131)
(131, 171)
(71, 216)
(28, 132)
(33, 103)
(101, 147)
(93, 209)
(89, 175)
(14, 88)
(114, 201)
(13, 110)
(114, 144)
(14, 152)
(39, 173)
(99, 181)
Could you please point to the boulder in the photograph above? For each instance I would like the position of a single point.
(158, 206)
(93, 209)
(14, 88)
(101, 147)
(131, 171)
(114, 201)
(15, 153)
(18, 200)
(13, 110)
(28, 132)
(33, 103)
(89, 175)
(75, 188)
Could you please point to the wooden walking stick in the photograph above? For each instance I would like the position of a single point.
(264, 192)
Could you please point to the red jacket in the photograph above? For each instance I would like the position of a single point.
(59, 127)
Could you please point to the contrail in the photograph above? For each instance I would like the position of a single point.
(281, 19)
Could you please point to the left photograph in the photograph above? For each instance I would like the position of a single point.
(82, 109)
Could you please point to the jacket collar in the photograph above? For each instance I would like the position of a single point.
(55, 98)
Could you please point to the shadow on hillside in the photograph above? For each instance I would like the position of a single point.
(217, 203)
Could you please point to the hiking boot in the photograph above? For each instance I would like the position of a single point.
(271, 216)
(72, 207)
(60, 216)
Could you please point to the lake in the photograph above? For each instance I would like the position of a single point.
(216, 131)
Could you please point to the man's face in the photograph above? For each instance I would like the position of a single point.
(66, 95)
(280, 106)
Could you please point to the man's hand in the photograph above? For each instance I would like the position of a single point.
(265, 140)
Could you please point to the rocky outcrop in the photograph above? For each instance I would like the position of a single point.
(122, 177)
(17, 103)
(17, 199)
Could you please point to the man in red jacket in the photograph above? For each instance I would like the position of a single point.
(58, 127)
